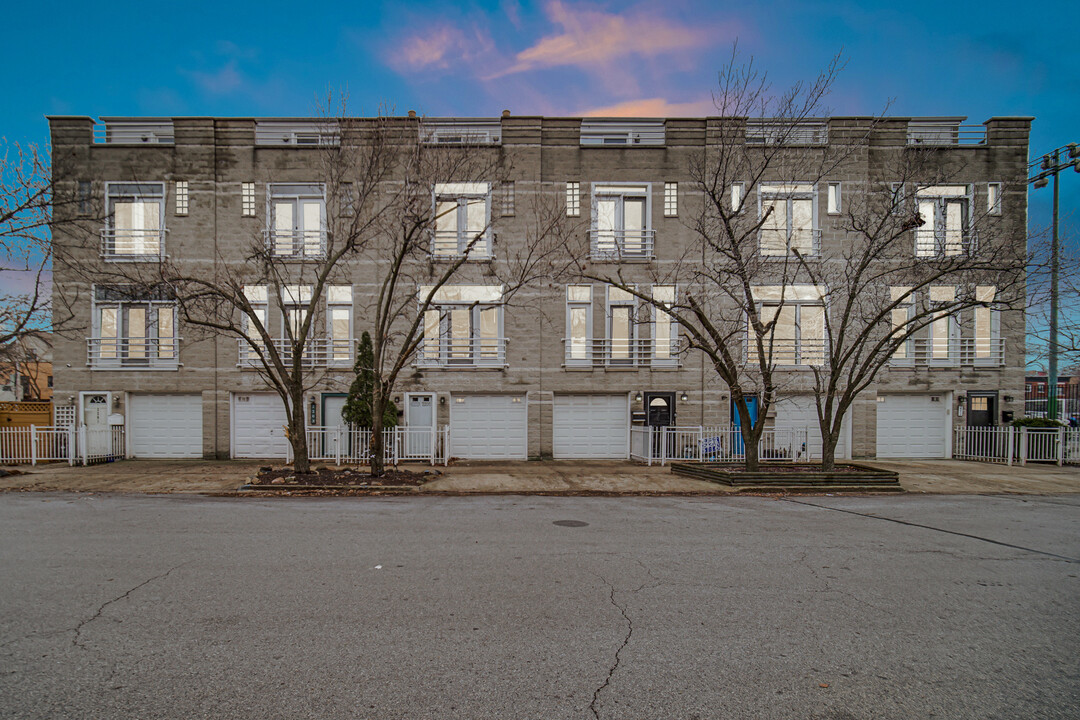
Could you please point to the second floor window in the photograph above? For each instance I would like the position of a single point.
(945, 213)
(463, 327)
(621, 222)
(135, 222)
(792, 220)
(133, 329)
(339, 323)
(462, 220)
(297, 221)
(798, 335)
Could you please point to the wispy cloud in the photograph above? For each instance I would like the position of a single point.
(224, 81)
(653, 107)
(440, 47)
(591, 37)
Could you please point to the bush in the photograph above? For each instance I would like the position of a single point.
(1037, 422)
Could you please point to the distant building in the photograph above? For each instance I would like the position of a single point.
(26, 369)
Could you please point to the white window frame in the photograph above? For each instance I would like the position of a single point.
(940, 245)
(247, 199)
(471, 352)
(628, 353)
(181, 196)
(339, 350)
(143, 192)
(298, 242)
(951, 328)
(573, 199)
(458, 245)
(669, 356)
(797, 297)
(671, 199)
(787, 193)
(993, 198)
(738, 196)
(619, 245)
(582, 354)
(258, 297)
(295, 306)
(834, 199)
(154, 352)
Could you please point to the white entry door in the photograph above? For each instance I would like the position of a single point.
(332, 420)
(912, 426)
(98, 433)
(166, 426)
(258, 426)
(800, 411)
(489, 427)
(420, 423)
(590, 426)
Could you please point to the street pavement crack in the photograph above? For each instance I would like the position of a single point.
(618, 653)
(78, 628)
(937, 529)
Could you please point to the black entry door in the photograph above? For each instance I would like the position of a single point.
(660, 408)
(982, 409)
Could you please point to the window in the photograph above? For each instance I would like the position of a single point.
(339, 329)
(987, 327)
(738, 191)
(347, 199)
(945, 231)
(462, 220)
(508, 209)
(621, 227)
(136, 220)
(665, 334)
(49, 381)
(621, 311)
(297, 221)
(85, 196)
(295, 302)
(133, 329)
(901, 316)
(943, 326)
(792, 220)
(181, 193)
(671, 199)
(463, 327)
(257, 299)
(573, 199)
(833, 201)
(579, 304)
(798, 335)
(247, 199)
(993, 198)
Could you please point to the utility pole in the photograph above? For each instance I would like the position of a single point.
(1050, 165)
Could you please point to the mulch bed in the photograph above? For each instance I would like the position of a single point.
(337, 477)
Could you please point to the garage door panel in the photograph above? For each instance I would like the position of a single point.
(258, 426)
(166, 426)
(489, 427)
(590, 426)
(912, 426)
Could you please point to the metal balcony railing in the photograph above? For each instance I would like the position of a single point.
(621, 244)
(934, 243)
(318, 352)
(299, 244)
(776, 244)
(454, 243)
(448, 352)
(133, 353)
(132, 244)
(988, 352)
(632, 352)
(790, 353)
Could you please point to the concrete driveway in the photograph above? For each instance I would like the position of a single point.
(553, 476)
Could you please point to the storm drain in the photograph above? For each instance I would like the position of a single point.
(570, 523)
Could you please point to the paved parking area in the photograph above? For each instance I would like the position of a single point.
(553, 476)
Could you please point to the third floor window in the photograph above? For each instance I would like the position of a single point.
(297, 223)
(462, 220)
(135, 223)
(945, 212)
(622, 226)
(792, 219)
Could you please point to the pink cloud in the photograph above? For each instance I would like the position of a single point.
(654, 107)
(594, 37)
(440, 47)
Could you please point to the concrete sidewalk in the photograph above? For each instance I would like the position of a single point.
(553, 476)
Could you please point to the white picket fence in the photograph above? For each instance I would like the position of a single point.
(73, 445)
(714, 444)
(1009, 445)
(344, 445)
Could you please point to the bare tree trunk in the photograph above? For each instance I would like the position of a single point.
(829, 440)
(378, 407)
(751, 434)
(298, 435)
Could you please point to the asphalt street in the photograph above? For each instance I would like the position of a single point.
(539, 607)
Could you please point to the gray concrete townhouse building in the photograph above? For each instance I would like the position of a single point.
(567, 368)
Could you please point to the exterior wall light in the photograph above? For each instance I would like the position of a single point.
(637, 398)
(684, 397)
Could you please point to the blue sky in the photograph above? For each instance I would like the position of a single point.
(977, 59)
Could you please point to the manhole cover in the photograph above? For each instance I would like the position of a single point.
(570, 523)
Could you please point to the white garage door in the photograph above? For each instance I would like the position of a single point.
(166, 426)
(489, 427)
(590, 426)
(800, 411)
(258, 426)
(912, 426)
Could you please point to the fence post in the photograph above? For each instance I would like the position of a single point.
(433, 445)
(33, 445)
(1011, 445)
(1061, 446)
(82, 444)
(1023, 446)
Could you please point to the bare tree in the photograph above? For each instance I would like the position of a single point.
(1038, 303)
(779, 153)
